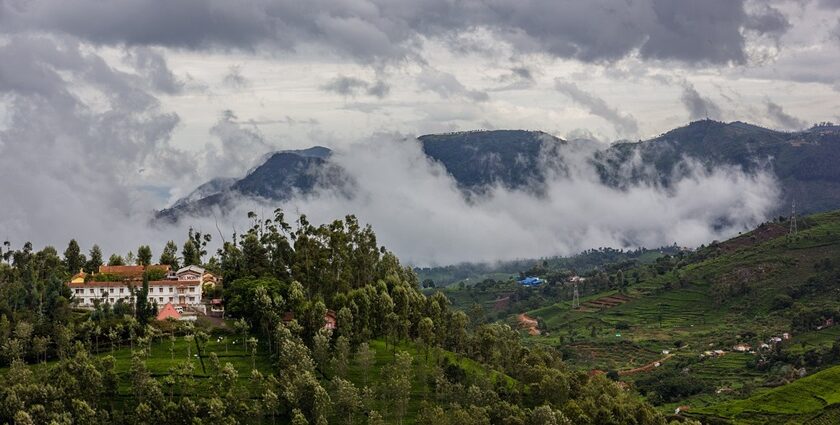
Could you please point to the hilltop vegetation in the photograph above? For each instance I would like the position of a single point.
(392, 355)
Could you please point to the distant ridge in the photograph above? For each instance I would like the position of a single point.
(805, 163)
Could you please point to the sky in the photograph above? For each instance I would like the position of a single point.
(111, 109)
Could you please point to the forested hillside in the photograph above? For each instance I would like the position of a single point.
(322, 326)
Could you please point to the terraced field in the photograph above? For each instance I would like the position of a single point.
(726, 297)
(604, 303)
(615, 355)
(829, 416)
(809, 395)
(730, 368)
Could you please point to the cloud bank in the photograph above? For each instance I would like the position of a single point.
(712, 31)
(417, 210)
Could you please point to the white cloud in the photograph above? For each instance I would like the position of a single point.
(418, 212)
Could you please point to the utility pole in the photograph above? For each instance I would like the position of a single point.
(575, 297)
(793, 228)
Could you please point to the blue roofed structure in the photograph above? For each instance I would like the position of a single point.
(531, 281)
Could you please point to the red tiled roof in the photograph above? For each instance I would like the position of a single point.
(135, 284)
(132, 270)
(121, 270)
(168, 312)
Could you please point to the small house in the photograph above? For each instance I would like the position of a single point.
(168, 312)
(216, 305)
(209, 280)
(741, 348)
(189, 273)
(79, 277)
(330, 321)
(531, 281)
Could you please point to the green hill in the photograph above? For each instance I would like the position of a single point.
(800, 401)
(757, 286)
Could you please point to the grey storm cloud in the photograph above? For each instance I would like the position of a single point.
(829, 4)
(352, 86)
(519, 78)
(698, 106)
(74, 166)
(590, 30)
(624, 124)
(152, 65)
(835, 33)
(770, 21)
(447, 85)
(782, 118)
(523, 73)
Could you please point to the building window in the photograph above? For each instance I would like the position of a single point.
(91, 290)
(192, 299)
(111, 290)
(160, 289)
(161, 299)
(170, 289)
(121, 290)
(170, 299)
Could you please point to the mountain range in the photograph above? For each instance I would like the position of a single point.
(804, 163)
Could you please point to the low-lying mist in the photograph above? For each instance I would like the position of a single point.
(419, 212)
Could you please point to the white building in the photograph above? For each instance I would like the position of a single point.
(183, 288)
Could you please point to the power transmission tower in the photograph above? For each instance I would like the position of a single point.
(793, 228)
(576, 297)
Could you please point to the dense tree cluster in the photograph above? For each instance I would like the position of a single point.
(315, 300)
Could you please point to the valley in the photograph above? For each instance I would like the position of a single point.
(720, 330)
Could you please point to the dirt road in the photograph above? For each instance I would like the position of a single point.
(529, 323)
